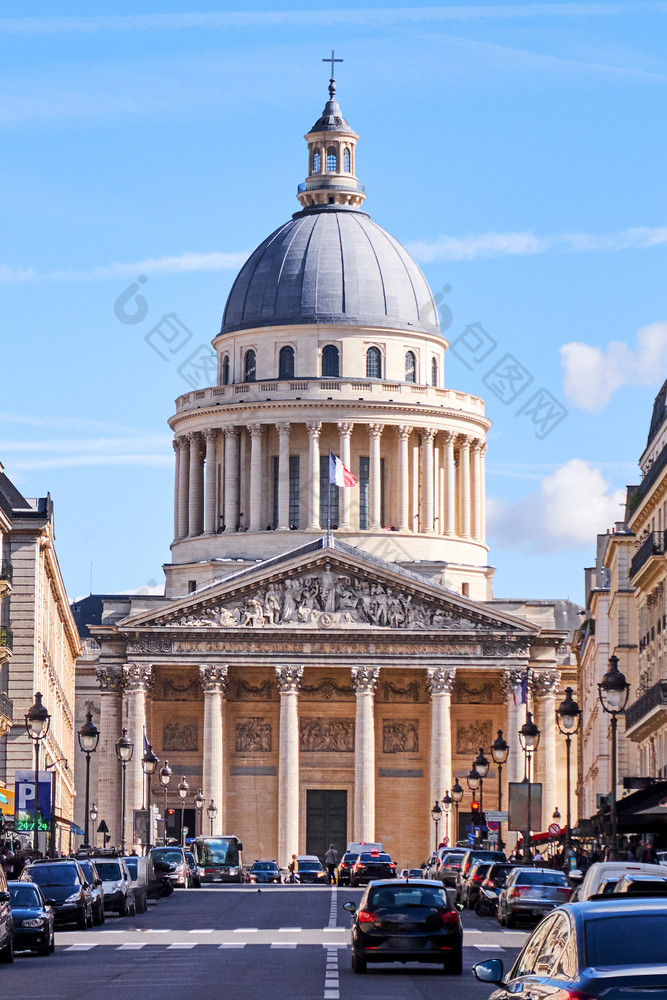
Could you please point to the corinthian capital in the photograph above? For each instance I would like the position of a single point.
(510, 680)
(213, 678)
(440, 680)
(136, 676)
(365, 679)
(289, 679)
(109, 678)
(545, 682)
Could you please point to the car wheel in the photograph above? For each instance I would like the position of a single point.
(44, 949)
(454, 967)
(82, 920)
(7, 955)
(358, 964)
(509, 921)
(52, 946)
(122, 909)
(90, 920)
(133, 909)
(97, 916)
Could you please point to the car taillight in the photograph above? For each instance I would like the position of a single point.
(490, 883)
(343, 864)
(519, 891)
(365, 917)
(476, 878)
(392, 864)
(572, 994)
(565, 889)
(358, 866)
(451, 917)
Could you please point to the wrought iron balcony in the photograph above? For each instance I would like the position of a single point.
(653, 545)
(6, 637)
(655, 696)
(6, 707)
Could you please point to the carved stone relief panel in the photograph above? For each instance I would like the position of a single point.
(476, 692)
(400, 736)
(327, 690)
(254, 736)
(317, 735)
(412, 692)
(245, 691)
(180, 737)
(469, 738)
(170, 690)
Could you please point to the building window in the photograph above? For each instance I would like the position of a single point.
(364, 492)
(373, 363)
(286, 362)
(434, 371)
(317, 162)
(465, 589)
(332, 160)
(225, 370)
(192, 586)
(250, 366)
(346, 161)
(294, 491)
(276, 485)
(410, 367)
(328, 496)
(330, 362)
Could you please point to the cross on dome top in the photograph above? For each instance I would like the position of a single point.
(332, 82)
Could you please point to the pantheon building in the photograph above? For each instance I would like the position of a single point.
(326, 661)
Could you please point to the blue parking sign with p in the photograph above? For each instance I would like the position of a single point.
(25, 800)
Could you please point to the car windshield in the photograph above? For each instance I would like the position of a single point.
(190, 858)
(310, 866)
(415, 873)
(109, 870)
(371, 858)
(268, 866)
(541, 878)
(24, 895)
(53, 874)
(350, 857)
(626, 939)
(399, 896)
(132, 866)
(171, 854)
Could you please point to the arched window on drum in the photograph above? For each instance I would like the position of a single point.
(317, 162)
(286, 362)
(373, 363)
(224, 371)
(330, 361)
(332, 160)
(410, 367)
(250, 366)
(346, 161)
(434, 372)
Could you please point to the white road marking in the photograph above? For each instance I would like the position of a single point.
(79, 947)
(131, 947)
(231, 945)
(488, 947)
(183, 945)
(286, 944)
(246, 930)
(202, 930)
(287, 930)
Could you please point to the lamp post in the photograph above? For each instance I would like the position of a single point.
(89, 737)
(473, 780)
(212, 812)
(183, 788)
(124, 751)
(447, 809)
(614, 691)
(37, 721)
(199, 805)
(457, 795)
(529, 738)
(93, 813)
(482, 768)
(568, 720)
(149, 763)
(165, 777)
(436, 815)
(500, 752)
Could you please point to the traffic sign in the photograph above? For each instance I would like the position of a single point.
(471, 839)
(496, 817)
(491, 824)
(554, 829)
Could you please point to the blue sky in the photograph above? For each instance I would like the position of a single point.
(517, 150)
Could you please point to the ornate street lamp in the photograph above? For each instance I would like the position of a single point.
(89, 737)
(447, 809)
(500, 752)
(436, 815)
(614, 691)
(149, 763)
(457, 795)
(182, 788)
(37, 721)
(199, 805)
(165, 777)
(568, 720)
(529, 738)
(124, 751)
(482, 768)
(212, 812)
(473, 780)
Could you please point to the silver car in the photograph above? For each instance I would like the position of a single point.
(530, 893)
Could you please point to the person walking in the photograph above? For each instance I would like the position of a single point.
(331, 862)
(292, 868)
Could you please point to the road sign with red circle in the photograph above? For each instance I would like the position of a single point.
(554, 829)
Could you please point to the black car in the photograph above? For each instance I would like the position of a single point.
(96, 889)
(195, 877)
(370, 866)
(310, 870)
(345, 866)
(475, 854)
(6, 922)
(592, 949)
(472, 885)
(33, 918)
(406, 921)
(65, 888)
(265, 871)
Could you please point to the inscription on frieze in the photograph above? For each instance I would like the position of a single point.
(317, 735)
(254, 736)
(400, 736)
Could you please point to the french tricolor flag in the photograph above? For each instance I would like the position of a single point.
(339, 475)
(520, 693)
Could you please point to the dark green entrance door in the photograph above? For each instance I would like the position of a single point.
(326, 821)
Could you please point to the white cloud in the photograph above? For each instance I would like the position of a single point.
(572, 506)
(591, 375)
(185, 263)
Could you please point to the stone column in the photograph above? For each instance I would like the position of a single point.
(427, 496)
(476, 490)
(482, 493)
(437, 521)
(289, 681)
(314, 475)
(450, 484)
(210, 526)
(516, 716)
(136, 680)
(344, 434)
(440, 682)
(196, 501)
(283, 477)
(176, 444)
(403, 432)
(364, 680)
(183, 445)
(107, 795)
(256, 484)
(464, 465)
(545, 685)
(231, 478)
(214, 682)
(375, 484)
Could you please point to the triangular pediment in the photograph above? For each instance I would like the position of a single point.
(320, 586)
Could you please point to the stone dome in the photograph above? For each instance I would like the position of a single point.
(331, 264)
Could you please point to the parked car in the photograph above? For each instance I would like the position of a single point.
(472, 885)
(599, 872)
(632, 884)
(410, 921)
(265, 872)
(195, 871)
(466, 863)
(592, 949)
(345, 866)
(492, 885)
(6, 922)
(170, 861)
(65, 888)
(411, 873)
(33, 918)
(96, 888)
(117, 885)
(372, 865)
(139, 879)
(531, 893)
(450, 866)
(310, 870)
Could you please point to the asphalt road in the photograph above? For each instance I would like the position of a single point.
(239, 943)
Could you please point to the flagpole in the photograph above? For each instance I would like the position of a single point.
(329, 537)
